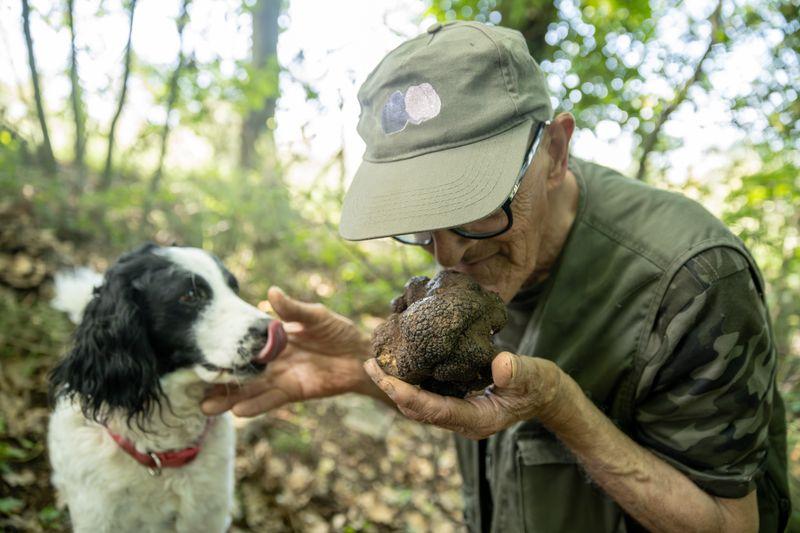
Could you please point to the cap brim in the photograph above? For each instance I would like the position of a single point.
(435, 190)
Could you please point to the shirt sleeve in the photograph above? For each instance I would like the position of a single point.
(704, 399)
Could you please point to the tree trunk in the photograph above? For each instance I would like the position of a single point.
(265, 44)
(77, 101)
(106, 180)
(172, 97)
(47, 149)
(649, 142)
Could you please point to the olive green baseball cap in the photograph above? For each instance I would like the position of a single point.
(446, 119)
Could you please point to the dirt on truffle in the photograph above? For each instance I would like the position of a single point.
(439, 335)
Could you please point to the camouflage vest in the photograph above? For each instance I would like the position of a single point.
(593, 319)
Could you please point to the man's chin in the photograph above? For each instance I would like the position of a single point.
(492, 286)
(481, 272)
(505, 292)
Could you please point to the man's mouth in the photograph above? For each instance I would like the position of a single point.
(276, 342)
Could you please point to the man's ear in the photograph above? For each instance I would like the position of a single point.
(559, 135)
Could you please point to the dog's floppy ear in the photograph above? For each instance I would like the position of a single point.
(112, 365)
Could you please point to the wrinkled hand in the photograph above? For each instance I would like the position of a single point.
(323, 358)
(524, 388)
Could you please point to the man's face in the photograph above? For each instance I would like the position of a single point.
(503, 263)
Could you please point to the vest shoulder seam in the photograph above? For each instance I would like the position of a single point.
(618, 238)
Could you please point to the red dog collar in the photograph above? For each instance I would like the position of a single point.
(155, 461)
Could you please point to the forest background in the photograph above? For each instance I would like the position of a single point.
(230, 125)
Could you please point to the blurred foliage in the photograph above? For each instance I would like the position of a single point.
(13, 151)
(30, 327)
(625, 62)
(249, 220)
(266, 232)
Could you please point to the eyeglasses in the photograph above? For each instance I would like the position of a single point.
(498, 222)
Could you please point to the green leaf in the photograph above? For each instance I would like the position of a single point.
(10, 505)
(49, 514)
(8, 451)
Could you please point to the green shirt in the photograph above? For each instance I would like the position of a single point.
(657, 311)
(702, 403)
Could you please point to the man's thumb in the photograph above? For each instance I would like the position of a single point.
(509, 370)
(291, 310)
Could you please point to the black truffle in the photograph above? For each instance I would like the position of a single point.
(439, 335)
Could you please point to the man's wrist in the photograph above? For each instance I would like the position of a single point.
(561, 399)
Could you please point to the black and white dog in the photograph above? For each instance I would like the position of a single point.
(129, 446)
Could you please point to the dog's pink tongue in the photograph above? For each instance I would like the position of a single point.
(276, 342)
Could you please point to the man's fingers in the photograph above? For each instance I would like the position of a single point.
(262, 403)
(214, 405)
(380, 377)
(414, 402)
(510, 370)
(222, 397)
(248, 400)
(424, 406)
(291, 310)
(505, 368)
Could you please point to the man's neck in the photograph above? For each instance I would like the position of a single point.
(561, 216)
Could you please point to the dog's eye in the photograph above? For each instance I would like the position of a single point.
(192, 296)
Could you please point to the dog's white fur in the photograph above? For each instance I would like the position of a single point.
(96, 478)
(73, 290)
(106, 489)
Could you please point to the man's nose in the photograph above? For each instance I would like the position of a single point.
(449, 248)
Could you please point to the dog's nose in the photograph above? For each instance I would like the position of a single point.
(260, 328)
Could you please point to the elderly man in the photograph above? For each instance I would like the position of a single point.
(637, 386)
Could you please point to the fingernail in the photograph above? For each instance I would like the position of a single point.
(274, 291)
(373, 371)
(370, 366)
(243, 413)
(292, 327)
(209, 407)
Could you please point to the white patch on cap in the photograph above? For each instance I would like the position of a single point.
(394, 117)
(418, 104)
(422, 103)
